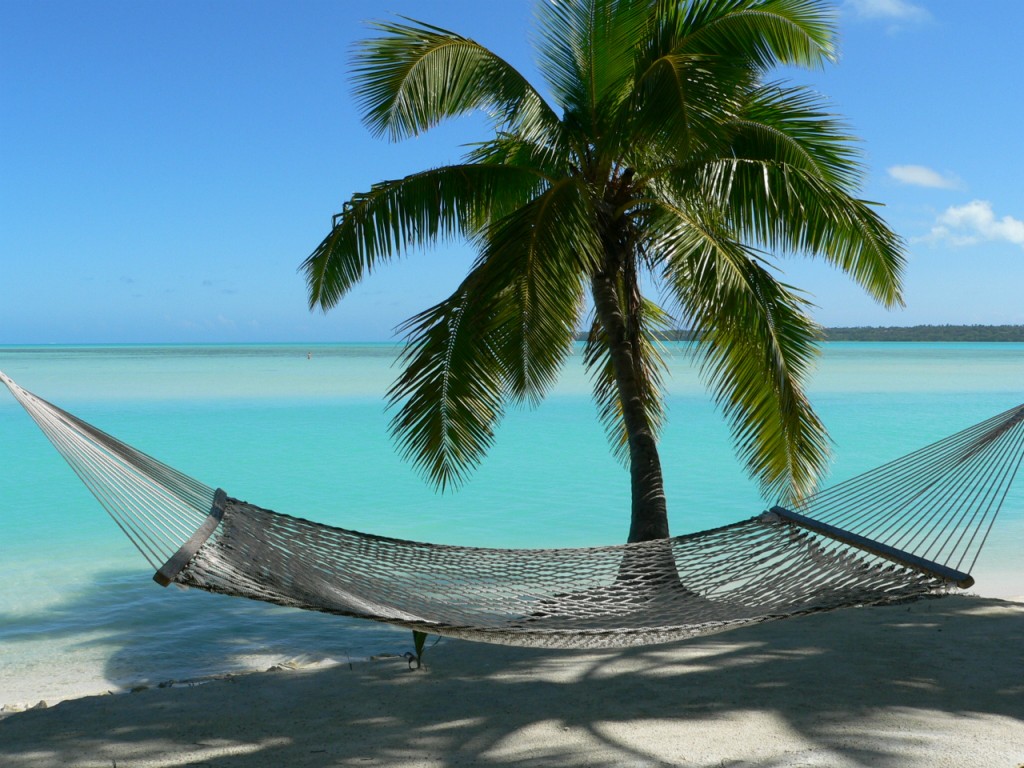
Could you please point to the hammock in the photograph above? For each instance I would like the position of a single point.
(911, 528)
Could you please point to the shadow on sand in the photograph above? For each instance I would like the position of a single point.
(133, 632)
(894, 686)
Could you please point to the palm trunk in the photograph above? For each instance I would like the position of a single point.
(649, 515)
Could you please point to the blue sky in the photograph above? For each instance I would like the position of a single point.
(165, 167)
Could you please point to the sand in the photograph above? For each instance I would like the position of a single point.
(931, 684)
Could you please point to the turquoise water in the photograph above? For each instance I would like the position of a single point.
(307, 436)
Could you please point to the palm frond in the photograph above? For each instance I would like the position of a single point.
(534, 264)
(551, 161)
(791, 209)
(684, 104)
(766, 33)
(696, 70)
(757, 346)
(438, 204)
(451, 392)
(586, 51)
(790, 125)
(414, 75)
(503, 334)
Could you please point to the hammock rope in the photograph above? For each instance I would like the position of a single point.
(939, 502)
(156, 506)
(911, 528)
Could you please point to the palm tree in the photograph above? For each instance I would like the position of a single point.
(666, 158)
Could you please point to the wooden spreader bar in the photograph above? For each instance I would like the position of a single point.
(959, 578)
(188, 550)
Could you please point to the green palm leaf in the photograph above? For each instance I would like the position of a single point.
(790, 125)
(503, 334)
(764, 32)
(416, 75)
(794, 210)
(535, 262)
(757, 346)
(447, 412)
(415, 211)
(586, 53)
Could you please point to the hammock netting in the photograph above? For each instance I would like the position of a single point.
(911, 528)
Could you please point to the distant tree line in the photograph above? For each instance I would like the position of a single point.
(895, 333)
(928, 333)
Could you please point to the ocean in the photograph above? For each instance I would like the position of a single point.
(302, 429)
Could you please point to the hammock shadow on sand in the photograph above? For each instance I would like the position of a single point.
(910, 528)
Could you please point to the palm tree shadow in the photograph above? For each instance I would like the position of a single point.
(824, 683)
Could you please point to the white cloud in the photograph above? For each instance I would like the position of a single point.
(891, 10)
(974, 222)
(922, 176)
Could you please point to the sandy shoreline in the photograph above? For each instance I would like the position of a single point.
(930, 684)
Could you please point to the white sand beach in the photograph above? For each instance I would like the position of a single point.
(932, 684)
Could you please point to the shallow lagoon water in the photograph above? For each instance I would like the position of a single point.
(303, 430)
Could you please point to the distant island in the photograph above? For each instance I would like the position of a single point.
(898, 333)
(928, 333)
